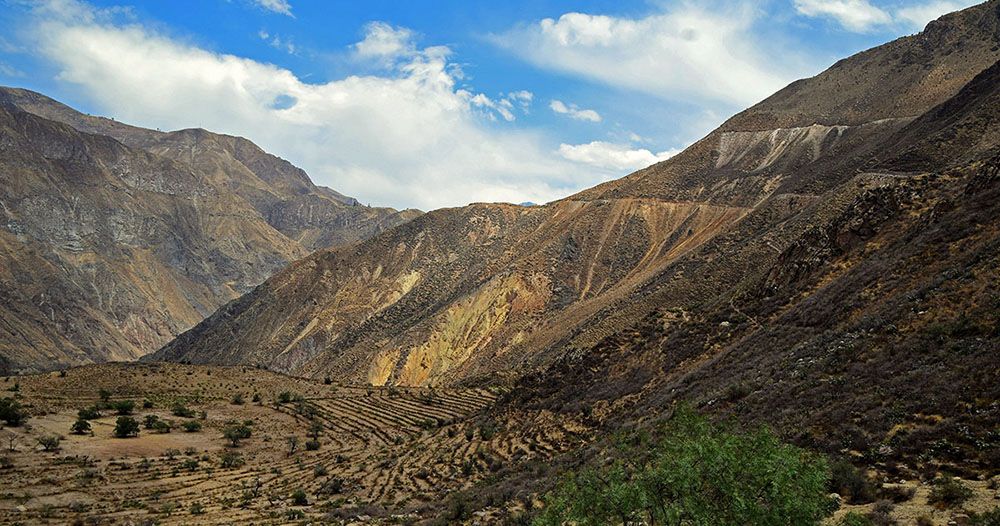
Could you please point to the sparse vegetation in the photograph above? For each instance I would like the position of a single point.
(947, 492)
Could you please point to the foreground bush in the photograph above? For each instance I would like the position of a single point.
(695, 472)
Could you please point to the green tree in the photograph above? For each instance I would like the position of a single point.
(88, 413)
(80, 427)
(236, 431)
(691, 471)
(124, 407)
(50, 442)
(126, 427)
(12, 412)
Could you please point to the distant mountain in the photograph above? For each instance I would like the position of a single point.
(116, 238)
(778, 193)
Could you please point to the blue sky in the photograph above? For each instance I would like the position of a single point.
(440, 103)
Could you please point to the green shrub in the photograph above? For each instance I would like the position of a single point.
(299, 498)
(192, 426)
(948, 492)
(237, 399)
(849, 482)
(88, 413)
(231, 459)
(695, 472)
(988, 518)
(149, 422)
(50, 442)
(235, 431)
(162, 426)
(312, 445)
(12, 412)
(126, 427)
(123, 407)
(182, 411)
(80, 427)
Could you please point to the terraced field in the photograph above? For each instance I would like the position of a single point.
(384, 454)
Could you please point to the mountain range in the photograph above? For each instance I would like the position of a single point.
(117, 238)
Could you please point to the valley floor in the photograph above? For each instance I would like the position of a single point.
(385, 454)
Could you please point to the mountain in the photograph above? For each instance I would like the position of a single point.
(115, 238)
(776, 194)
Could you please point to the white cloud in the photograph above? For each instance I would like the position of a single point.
(410, 137)
(277, 6)
(691, 52)
(385, 42)
(917, 16)
(277, 42)
(610, 156)
(854, 15)
(10, 71)
(574, 112)
(861, 16)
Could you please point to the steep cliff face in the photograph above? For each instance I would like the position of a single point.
(110, 250)
(491, 290)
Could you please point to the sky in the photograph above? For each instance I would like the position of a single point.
(430, 104)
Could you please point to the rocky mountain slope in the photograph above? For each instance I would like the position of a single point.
(115, 238)
(491, 290)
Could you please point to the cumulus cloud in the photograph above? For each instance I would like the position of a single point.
(574, 112)
(854, 15)
(276, 6)
(610, 156)
(691, 52)
(409, 137)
